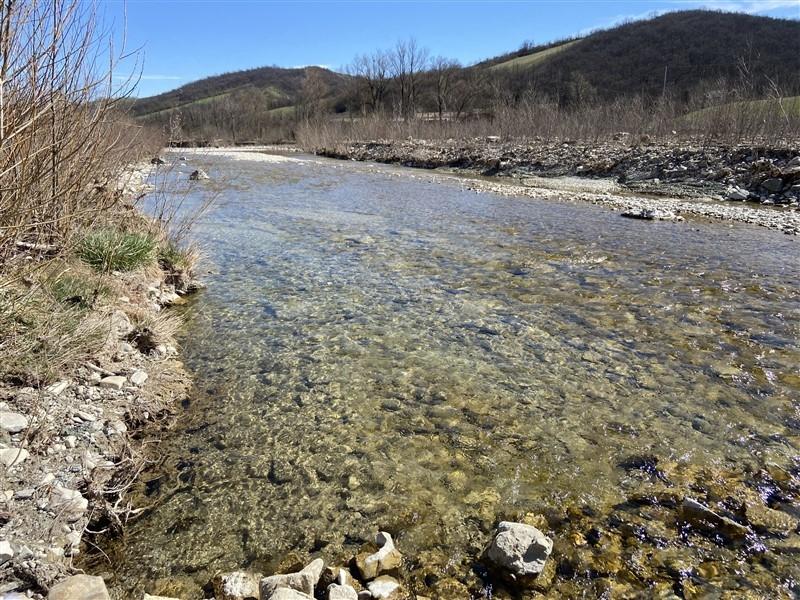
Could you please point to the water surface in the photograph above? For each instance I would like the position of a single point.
(376, 350)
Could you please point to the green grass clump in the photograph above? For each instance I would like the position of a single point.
(111, 250)
(172, 258)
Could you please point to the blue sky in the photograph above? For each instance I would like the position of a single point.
(184, 40)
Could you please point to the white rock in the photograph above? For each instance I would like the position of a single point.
(519, 549)
(303, 581)
(384, 587)
(341, 592)
(79, 587)
(138, 377)
(387, 558)
(57, 388)
(68, 503)
(237, 585)
(13, 422)
(47, 480)
(114, 382)
(11, 457)
(85, 416)
(287, 594)
(736, 193)
(70, 441)
(149, 597)
(6, 552)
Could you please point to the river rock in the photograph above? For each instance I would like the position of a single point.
(704, 519)
(651, 214)
(149, 597)
(198, 175)
(13, 422)
(79, 587)
(385, 588)
(138, 377)
(773, 184)
(341, 592)
(68, 503)
(238, 585)
(518, 550)
(767, 520)
(11, 457)
(287, 594)
(113, 382)
(303, 581)
(6, 552)
(388, 558)
(56, 389)
(736, 193)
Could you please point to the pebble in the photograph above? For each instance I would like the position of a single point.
(57, 388)
(138, 377)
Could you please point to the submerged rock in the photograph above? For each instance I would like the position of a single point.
(704, 519)
(79, 587)
(198, 175)
(518, 550)
(303, 581)
(385, 588)
(388, 558)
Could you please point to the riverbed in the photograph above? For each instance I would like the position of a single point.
(378, 349)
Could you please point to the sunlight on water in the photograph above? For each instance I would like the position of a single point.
(381, 351)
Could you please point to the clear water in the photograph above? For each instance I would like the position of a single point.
(377, 350)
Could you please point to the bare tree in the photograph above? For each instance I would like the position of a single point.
(445, 72)
(371, 72)
(408, 60)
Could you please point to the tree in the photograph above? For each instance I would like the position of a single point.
(408, 61)
(371, 72)
(444, 72)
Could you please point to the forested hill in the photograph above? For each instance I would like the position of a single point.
(686, 48)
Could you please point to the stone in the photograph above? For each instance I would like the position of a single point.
(238, 585)
(768, 520)
(113, 382)
(157, 160)
(736, 193)
(68, 503)
(6, 552)
(79, 587)
(11, 457)
(287, 594)
(303, 581)
(13, 422)
(385, 588)
(388, 558)
(198, 175)
(341, 592)
(57, 388)
(518, 550)
(704, 519)
(138, 377)
(149, 597)
(651, 214)
(773, 184)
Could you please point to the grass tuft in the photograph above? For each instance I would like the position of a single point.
(110, 250)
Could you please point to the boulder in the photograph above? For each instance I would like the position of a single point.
(388, 558)
(13, 422)
(341, 592)
(238, 585)
(303, 581)
(518, 550)
(773, 184)
(385, 588)
(11, 457)
(79, 587)
(198, 175)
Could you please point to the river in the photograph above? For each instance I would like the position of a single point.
(379, 348)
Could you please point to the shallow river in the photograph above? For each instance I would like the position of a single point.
(383, 349)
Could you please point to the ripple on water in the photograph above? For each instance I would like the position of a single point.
(376, 352)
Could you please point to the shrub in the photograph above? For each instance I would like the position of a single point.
(111, 250)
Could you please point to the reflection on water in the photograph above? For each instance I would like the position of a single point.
(380, 351)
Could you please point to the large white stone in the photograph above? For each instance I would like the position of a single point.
(79, 587)
(341, 592)
(238, 585)
(519, 549)
(6, 552)
(13, 422)
(303, 581)
(384, 588)
(13, 456)
(113, 382)
(287, 594)
(387, 558)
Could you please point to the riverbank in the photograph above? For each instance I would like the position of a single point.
(745, 183)
(77, 421)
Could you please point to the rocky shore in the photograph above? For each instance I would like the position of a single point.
(69, 450)
(746, 183)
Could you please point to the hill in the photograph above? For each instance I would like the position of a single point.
(687, 48)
